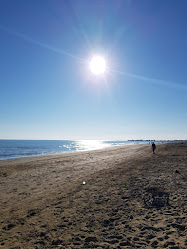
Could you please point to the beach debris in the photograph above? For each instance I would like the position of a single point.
(176, 171)
(83, 182)
(157, 202)
(156, 197)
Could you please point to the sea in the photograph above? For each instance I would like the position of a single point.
(12, 149)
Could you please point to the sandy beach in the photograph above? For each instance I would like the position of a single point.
(119, 197)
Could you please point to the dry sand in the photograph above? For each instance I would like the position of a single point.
(131, 199)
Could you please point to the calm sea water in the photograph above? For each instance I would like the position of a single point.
(11, 149)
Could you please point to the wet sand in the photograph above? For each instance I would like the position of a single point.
(130, 199)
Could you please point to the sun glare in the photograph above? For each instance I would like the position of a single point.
(97, 65)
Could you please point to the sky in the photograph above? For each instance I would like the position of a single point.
(48, 92)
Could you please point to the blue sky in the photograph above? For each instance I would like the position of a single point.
(48, 92)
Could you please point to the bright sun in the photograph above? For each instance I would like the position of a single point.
(97, 65)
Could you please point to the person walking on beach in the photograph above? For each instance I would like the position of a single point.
(153, 147)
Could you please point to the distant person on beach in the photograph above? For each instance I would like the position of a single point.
(153, 147)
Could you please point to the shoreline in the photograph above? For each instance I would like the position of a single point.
(67, 152)
(131, 142)
(45, 204)
(64, 154)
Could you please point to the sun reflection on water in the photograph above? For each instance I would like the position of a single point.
(90, 145)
